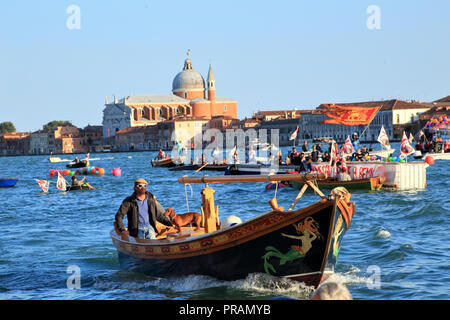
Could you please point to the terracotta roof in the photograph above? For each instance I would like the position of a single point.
(276, 112)
(393, 104)
(436, 111)
(445, 99)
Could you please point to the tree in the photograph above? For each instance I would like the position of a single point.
(56, 123)
(7, 127)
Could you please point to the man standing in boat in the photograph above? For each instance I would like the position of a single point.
(142, 211)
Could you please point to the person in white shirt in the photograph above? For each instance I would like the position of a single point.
(344, 176)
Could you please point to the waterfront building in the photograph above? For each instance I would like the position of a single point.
(65, 139)
(14, 143)
(190, 98)
(91, 137)
(269, 115)
(39, 142)
(163, 135)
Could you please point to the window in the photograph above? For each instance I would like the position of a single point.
(398, 118)
(225, 108)
(185, 95)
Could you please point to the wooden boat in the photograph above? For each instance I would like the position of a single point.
(374, 184)
(167, 162)
(250, 169)
(194, 167)
(80, 164)
(301, 244)
(55, 159)
(8, 182)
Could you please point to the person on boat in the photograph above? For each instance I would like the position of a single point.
(326, 157)
(354, 139)
(364, 150)
(270, 159)
(204, 160)
(81, 183)
(77, 160)
(161, 154)
(280, 157)
(344, 176)
(305, 166)
(319, 148)
(419, 146)
(358, 155)
(447, 146)
(305, 146)
(142, 211)
(215, 155)
(315, 154)
(251, 155)
(235, 157)
(294, 156)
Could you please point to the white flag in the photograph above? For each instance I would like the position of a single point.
(383, 138)
(405, 148)
(294, 134)
(44, 184)
(61, 182)
(347, 147)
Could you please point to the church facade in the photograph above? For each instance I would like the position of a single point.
(190, 98)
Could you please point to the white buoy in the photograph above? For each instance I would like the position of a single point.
(230, 221)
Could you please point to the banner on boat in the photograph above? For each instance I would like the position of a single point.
(356, 171)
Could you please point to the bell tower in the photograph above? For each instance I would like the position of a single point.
(211, 91)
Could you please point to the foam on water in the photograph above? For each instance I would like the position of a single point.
(383, 234)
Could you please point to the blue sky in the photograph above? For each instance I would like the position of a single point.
(268, 55)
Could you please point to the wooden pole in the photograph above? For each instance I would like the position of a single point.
(253, 178)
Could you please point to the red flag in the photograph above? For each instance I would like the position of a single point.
(44, 184)
(405, 147)
(349, 115)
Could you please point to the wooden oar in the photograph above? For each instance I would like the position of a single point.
(253, 178)
(201, 167)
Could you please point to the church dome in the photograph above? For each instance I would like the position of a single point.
(188, 79)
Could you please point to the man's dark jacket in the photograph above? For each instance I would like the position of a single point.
(129, 207)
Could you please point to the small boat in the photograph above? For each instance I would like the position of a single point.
(168, 162)
(55, 159)
(194, 167)
(77, 188)
(436, 155)
(80, 164)
(249, 169)
(8, 182)
(373, 184)
(299, 244)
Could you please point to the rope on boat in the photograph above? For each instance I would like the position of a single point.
(185, 191)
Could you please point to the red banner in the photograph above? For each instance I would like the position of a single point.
(349, 115)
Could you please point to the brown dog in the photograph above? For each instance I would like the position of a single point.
(181, 220)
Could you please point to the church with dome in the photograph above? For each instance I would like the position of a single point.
(191, 98)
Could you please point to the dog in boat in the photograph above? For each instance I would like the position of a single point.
(180, 220)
